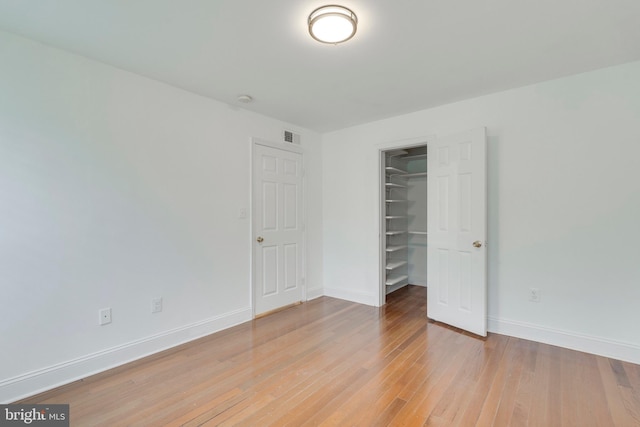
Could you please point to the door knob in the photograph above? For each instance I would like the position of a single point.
(477, 244)
(260, 239)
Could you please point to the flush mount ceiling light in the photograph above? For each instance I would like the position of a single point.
(332, 24)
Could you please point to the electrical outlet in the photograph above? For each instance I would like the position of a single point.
(156, 305)
(534, 294)
(105, 316)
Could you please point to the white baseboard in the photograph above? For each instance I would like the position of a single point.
(590, 344)
(41, 380)
(359, 297)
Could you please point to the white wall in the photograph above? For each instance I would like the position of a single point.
(115, 189)
(564, 206)
(417, 212)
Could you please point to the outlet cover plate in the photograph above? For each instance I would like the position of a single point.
(105, 316)
(156, 305)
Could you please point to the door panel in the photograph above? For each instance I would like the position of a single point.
(290, 266)
(441, 275)
(269, 270)
(456, 218)
(290, 206)
(277, 207)
(443, 203)
(269, 206)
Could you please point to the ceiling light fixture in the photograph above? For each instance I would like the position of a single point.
(332, 24)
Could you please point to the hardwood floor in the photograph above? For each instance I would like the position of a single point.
(334, 363)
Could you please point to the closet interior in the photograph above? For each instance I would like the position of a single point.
(405, 217)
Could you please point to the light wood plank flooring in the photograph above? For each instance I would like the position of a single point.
(333, 363)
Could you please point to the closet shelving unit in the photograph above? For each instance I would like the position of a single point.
(396, 233)
(402, 231)
(396, 248)
(392, 265)
(394, 185)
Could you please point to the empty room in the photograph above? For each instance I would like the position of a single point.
(254, 213)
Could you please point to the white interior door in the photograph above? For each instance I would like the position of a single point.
(456, 225)
(277, 226)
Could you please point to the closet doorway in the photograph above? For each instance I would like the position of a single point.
(404, 231)
(433, 225)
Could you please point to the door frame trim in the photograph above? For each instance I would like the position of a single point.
(381, 148)
(293, 149)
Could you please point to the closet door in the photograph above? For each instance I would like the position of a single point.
(456, 225)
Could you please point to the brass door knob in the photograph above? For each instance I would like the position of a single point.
(477, 244)
(260, 239)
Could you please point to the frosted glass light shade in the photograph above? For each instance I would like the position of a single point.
(332, 24)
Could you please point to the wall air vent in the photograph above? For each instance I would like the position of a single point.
(290, 137)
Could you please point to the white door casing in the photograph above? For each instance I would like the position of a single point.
(456, 225)
(277, 221)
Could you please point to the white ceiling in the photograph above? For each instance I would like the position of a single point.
(407, 55)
